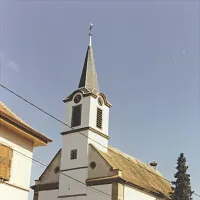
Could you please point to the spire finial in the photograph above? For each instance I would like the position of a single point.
(90, 34)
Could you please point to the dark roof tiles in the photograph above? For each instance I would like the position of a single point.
(89, 78)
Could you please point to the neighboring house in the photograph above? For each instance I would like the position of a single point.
(87, 168)
(17, 140)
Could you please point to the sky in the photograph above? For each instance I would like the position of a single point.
(147, 60)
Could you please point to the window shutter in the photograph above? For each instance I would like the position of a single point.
(76, 116)
(9, 161)
(3, 168)
(99, 118)
(5, 162)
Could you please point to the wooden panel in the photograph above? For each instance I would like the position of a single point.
(2, 172)
(5, 161)
(3, 169)
(9, 162)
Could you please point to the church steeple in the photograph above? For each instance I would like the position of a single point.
(87, 117)
(89, 78)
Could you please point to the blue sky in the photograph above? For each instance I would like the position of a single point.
(147, 59)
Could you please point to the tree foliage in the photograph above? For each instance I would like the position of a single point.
(181, 186)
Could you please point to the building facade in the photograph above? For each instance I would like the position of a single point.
(87, 168)
(17, 140)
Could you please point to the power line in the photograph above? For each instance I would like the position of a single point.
(52, 169)
(198, 195)
(60, 122)
(50, 115)
(44, 165)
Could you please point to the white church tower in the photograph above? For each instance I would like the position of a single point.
(87, 112)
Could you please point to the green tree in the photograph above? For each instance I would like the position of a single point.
(181, 187)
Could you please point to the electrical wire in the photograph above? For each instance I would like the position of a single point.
(198, 195)
(52, 169)
(55, 118)
(50, 115)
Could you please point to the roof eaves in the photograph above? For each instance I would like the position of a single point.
(24, 127)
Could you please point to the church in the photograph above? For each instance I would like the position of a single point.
(86, 167)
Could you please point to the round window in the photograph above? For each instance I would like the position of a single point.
(92, 165)
(57, 169)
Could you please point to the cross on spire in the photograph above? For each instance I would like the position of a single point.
(90, 34)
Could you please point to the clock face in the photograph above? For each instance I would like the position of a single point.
(77, 98)
(100, 101)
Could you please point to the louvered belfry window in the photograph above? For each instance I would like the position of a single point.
(5, 162)
(99, 118)
(76, 116)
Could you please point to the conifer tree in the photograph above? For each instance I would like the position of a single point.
(181, 187)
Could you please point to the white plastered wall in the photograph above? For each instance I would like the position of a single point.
(81, 141)
(93, 194)
(74, 141)
(85, 102)
(20, 166)
(131, 193)
(48, 195)
(11, 193)
(68, 186)
(73, 183)
(89, 114)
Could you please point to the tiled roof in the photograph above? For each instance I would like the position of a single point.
(12, 117)
(137, 173)
(7, 111)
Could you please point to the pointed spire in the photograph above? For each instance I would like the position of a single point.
(89, 76)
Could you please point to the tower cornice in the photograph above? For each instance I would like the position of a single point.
(83, 129)
(86, 93)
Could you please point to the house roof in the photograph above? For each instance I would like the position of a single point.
(12, 121)
(137, 173)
